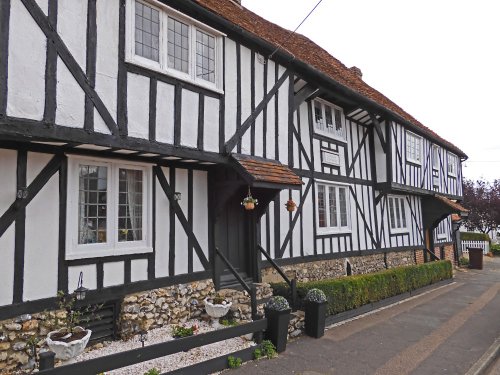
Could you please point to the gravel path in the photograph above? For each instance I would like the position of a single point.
(170, 362)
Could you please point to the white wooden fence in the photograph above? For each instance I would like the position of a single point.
(485, 245)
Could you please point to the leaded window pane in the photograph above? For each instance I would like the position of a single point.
(398, 214)
(321, 206)
(343, 207)
(178, 45)
(328, 117)
(403, 213)
(391, 213)
(333, 206)
(130, 201)
(147, 31)
(205, 56)
(318, 116)
(92, 204)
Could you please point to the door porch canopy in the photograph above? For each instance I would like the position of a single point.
(437, 207)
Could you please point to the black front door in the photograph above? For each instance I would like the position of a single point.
(234, 228)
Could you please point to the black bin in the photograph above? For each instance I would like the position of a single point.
(475, 258)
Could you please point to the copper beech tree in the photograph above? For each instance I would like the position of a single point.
(483, 200)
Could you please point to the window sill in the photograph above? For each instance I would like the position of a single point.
(101, 252)
(399, 231)
(138, 61)
(329, 135)
(413, 162)
(326, 231)
(452, 175)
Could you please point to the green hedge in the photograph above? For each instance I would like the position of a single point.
(351, 292)
(495, 249)
(470, 236)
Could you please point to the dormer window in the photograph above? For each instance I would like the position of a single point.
(162, 39)
(328, 120)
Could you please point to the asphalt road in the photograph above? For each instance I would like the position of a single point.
(447, 330)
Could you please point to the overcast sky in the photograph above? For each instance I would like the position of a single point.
(437, 59)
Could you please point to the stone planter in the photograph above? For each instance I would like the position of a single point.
(216, 310)
(277, 328)
(67, 351)
(315, 317)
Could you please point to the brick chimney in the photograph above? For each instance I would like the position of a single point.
(356, 71)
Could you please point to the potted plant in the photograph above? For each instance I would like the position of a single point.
(249, 203)
(70, 339)
(290, 205)
(315, 312)
(277, 312)
(216, 307)
(184, 331)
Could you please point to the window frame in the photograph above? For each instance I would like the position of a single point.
(409, 158)
(402, 229)
(452, 171)
(162, 65)
(329, 229)
(112, 247)
(435, 157)
(333, 107)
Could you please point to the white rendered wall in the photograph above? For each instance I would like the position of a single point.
(107, 59)
(189, 118)
(230, 90)
(211, 130)
(42, 234)
(246, 96)
(70, 109)
(165, 97)
(259, 95)
(138, 106)
(270, 137)
(114, 273)
(162, 229)
(8, 167)
(200, 215)
(283, 118)
(27, 44)
(181, 238)
(308, 221)
(72, 28)
(89, 276)
(138, 270)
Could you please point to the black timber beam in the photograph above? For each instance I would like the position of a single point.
(378, 129)
(23, 130)
(303, 94)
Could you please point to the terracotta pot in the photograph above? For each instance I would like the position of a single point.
(249, 206)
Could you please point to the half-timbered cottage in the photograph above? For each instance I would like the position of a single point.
(131, 131)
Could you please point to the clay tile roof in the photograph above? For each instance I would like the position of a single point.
(258, 170)
(453, 205)
(308, 52)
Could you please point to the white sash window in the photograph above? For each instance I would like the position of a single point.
(108, 208)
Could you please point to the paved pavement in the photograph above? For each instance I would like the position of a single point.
(448, 330)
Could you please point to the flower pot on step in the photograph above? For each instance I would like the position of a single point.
(277, 327)
(315, 317)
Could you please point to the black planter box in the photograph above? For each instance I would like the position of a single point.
(315, 318)
(277, 328)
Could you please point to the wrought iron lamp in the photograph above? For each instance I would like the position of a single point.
(143, 337)
(80, 291)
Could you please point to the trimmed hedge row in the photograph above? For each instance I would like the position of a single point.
(471, 236)
(351, 292)
(495, 249)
